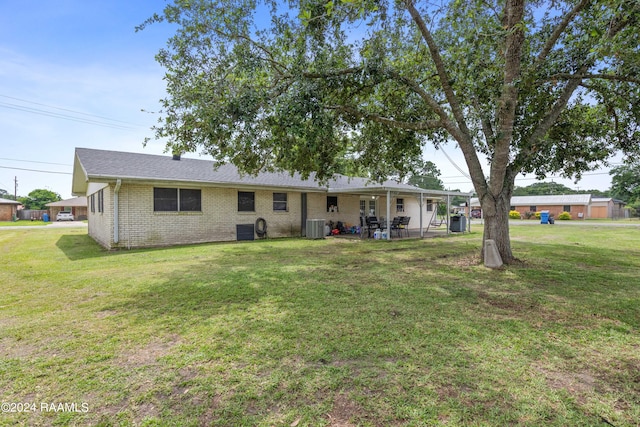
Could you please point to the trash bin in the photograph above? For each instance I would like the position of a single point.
(544, 217)
(458, 224)
(45, 217)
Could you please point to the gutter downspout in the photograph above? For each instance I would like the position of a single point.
(116, 209)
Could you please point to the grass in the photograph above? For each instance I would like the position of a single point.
(22, 223)
(318, 333)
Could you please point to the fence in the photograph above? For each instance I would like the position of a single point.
(32, 213)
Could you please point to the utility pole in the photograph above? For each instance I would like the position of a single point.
(15, 188)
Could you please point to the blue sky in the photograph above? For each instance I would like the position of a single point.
(76, 74)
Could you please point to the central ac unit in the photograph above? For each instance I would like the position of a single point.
(315, 228)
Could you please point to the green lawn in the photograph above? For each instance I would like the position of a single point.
(22, 223)
(318, 333)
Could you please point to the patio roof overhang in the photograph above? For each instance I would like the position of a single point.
(401, 190)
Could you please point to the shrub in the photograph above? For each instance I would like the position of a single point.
(514, 215)
(537, 215)
(564, 216)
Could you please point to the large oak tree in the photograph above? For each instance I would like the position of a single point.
(533, 86)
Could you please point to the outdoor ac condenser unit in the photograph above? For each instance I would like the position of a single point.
(315, 228)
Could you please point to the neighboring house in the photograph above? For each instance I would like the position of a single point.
(8, 209)
(606, 207)
(138, 200)
(576, 204)
(77, 206)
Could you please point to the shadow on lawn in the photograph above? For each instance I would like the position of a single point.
(80, 246)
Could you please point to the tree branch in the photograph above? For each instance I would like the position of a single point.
(458, 129)
(569, 76)
(417, 126)
(442, 72)
(557, 32)
(574, 81)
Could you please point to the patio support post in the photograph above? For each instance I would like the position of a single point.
(421, 205)
(469, 213)
(388, 214)
(448, 212)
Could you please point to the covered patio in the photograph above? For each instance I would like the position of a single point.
(393, 199)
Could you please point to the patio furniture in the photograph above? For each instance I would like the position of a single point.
(372, 223)
(395, 225)
(404, 224)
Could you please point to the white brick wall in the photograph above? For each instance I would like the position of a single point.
(140, 226)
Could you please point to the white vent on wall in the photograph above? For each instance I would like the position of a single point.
(315, 228)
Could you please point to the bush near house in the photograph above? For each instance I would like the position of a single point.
(514, 215)
(536, 215)
(564, 216)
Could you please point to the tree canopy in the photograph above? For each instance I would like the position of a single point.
(544, 188)
(533, 86)
(4, 194)
(625, 183)
(37, 199)
(427, 176)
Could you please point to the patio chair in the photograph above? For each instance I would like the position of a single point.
(395, 225)
(404, 224)
(372, 223)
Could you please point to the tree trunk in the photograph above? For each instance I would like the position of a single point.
(496, 225)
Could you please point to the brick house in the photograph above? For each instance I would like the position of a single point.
(142, 200)
(77, 206)
(8, 209)
(578, 205)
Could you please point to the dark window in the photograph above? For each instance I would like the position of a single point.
(513, 208)
(92, 201)
(399, 205)
(279, 201)
(533, 208)
(190, 200)
(101, 201)
(429, 205)
(246, 201)
(332, 203)
(165, 199)
(176, 199)
(566, 208)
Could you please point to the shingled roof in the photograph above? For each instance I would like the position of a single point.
(106, 166)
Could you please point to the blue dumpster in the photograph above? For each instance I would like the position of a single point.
(544, 217)
(45, 217)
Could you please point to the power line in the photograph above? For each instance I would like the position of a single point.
(35, 161)
(66, 109)
(36, 170)
(63, 116)
(454, 164)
